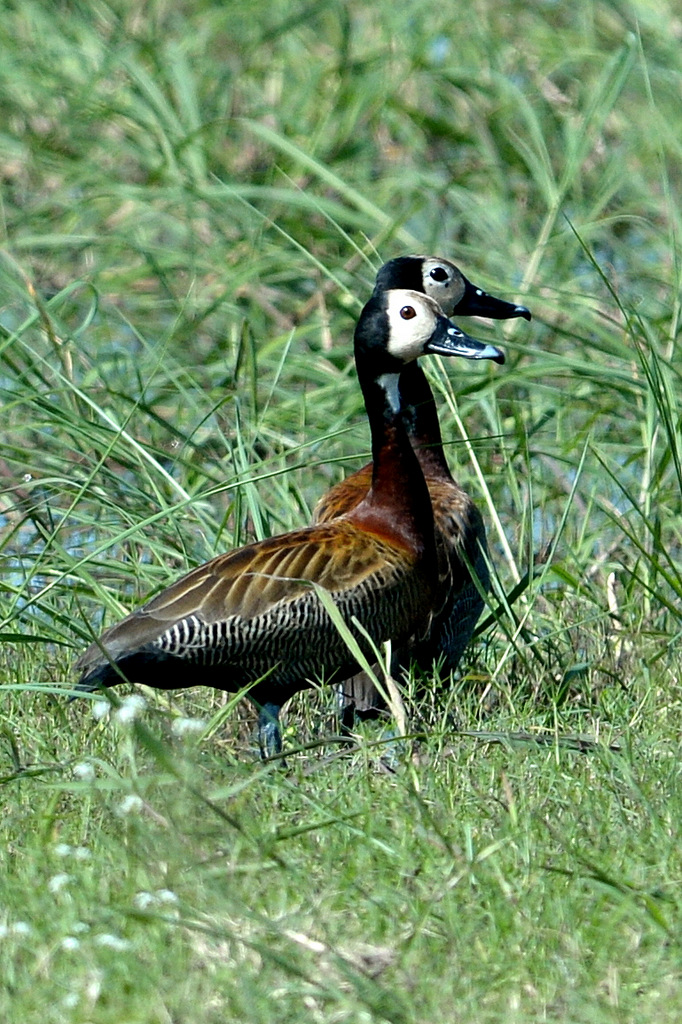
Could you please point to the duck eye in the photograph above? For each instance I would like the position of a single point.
(408, 312)
(439, 274)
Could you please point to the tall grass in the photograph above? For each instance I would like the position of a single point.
(195, 200)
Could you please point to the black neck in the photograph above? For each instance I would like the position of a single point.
(420, 417)
(397, 478)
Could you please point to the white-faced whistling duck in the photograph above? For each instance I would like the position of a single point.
(253, 616)
(458, 524)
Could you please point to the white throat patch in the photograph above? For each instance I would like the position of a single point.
(389, 383)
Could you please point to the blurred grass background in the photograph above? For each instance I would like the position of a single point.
(195, 198)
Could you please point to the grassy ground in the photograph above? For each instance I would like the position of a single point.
(195, 199)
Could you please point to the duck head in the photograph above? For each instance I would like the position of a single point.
(398, 326)
(443, 281)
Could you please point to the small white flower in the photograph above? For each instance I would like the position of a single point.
(166, 896)
(186, 726)
(20, 928)
(79, 927)
(70, 1001)
(112, 942)
(57, 882)
(4, 931)
(83, 770)
(130, 708)
(131, 804)
(69, 943)
(144, 900)
(100, 709)
(77, 852)
(93, 986)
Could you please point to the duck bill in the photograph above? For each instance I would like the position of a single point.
(476, 302)
(449, 340)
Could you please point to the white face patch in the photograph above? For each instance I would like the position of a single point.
(443, 282)
(389, 382)
(411, 322)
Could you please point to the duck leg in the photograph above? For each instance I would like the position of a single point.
(269, 734)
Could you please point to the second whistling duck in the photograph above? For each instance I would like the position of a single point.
(459, 527)
(253, 617)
